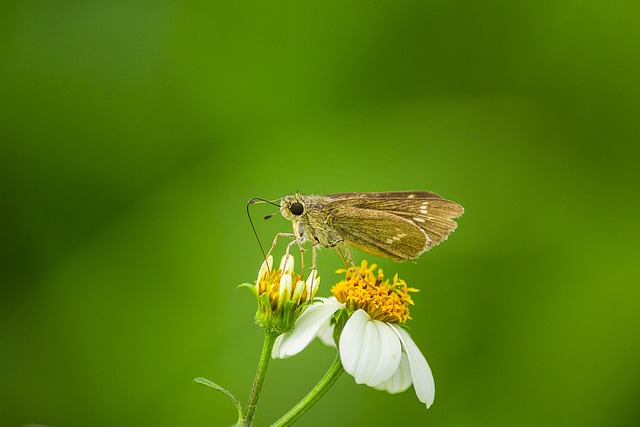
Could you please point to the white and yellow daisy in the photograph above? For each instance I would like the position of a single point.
(374, 347)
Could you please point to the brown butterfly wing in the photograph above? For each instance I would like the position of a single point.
(418, 194)
(433, 216)
(377, 232)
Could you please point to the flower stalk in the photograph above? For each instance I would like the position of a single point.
(325, 383)
(265, 356)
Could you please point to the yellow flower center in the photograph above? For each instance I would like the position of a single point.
(384, 301)
(270, 284)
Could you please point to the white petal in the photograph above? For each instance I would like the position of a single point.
(307, 326)
(284, 292)
(369, 349)
(267, 265)
(420, 372)
(400, 380)
(286, 264)
(297, 291)
(312, 283)
(350, 342)
(325, 333)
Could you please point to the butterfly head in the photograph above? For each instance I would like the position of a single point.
(292, 207)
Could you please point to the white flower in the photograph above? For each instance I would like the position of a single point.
(379, 354)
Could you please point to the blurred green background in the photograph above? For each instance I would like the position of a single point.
(133, 133)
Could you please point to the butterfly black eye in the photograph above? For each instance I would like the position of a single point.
(296, 208)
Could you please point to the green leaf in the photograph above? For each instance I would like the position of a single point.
(223, 390)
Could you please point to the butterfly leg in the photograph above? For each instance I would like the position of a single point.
(348, 261)
(297, 241)
(346, 256)
(275, 241)
(314, 246)
(313, 258)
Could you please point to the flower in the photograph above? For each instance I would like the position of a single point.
(374, 348)
(282, 294)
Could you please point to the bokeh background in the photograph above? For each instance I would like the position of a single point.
(133, 133)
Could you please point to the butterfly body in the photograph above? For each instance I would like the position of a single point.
(398, 225)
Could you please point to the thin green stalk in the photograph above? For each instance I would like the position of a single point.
(267, 347)
(329, 378)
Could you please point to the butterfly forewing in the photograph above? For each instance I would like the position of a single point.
(433, 215)
(379, 232)
(419, 194)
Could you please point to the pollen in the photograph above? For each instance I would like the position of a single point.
(381, 299)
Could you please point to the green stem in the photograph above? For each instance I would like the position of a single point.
(314, 395)
(267, 347)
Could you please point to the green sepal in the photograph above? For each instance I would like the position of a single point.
(224, 391)
(287, 323)
(250, 286)
(264, 303)
(339, 319)
(264, 313)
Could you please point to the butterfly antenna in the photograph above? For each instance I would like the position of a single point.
(255, 201)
